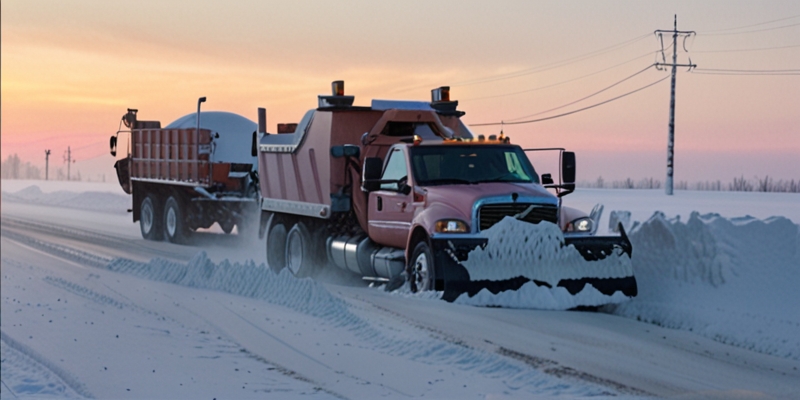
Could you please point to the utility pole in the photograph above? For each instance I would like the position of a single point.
(46, 163)
(671, 138)
(69, 160)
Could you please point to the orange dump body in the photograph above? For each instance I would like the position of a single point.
(177, 156)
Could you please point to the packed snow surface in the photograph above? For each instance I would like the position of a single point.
(726, 276)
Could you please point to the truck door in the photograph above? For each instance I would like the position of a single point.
(391, 207)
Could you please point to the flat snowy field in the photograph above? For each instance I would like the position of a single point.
(91, 310)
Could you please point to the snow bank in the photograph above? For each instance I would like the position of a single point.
(247, 280)
(94, 201)
(733, 280)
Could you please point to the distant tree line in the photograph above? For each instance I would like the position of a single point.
(740, 184)
(14, 168)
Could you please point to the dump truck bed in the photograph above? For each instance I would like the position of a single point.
(178, 157)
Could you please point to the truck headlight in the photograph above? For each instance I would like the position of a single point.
(582, 225)
(451, 226)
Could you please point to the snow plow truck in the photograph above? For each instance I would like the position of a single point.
(403, 191)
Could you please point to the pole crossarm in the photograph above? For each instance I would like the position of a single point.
(675, 65)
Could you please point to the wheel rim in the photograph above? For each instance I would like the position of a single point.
(421, 272)
(146, 219)
(294, 257)
(172, 221)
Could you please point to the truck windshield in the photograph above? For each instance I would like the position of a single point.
(468, 164)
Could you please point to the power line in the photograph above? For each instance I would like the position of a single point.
(540, 68)
(744, 50)
(752, 25)
(573, 111)
(586, 97)
(559, 83)
(547, 67)
(752, 31)
(88, 145)
(712, 71)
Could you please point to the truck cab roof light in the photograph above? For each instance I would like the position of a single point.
(440, 94)
(337, 99)
(417, 140)
(337, 87)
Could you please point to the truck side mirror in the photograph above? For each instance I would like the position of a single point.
(404, 188)
(113, 145)
(371, 174)
(547, 179)
(568, 167)
(345, 150)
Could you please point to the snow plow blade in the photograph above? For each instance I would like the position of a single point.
(470, 265)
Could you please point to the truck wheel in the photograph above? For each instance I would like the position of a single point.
(175, 229)
(149, 222)
(301, 251)
(276, 247)
(421, 270)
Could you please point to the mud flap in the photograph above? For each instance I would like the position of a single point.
(450, 254)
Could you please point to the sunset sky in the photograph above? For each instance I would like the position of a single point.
(71, 68)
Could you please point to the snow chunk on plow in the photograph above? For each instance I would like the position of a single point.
(535, 266)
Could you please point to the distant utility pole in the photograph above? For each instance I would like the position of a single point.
(69, 160)
(46, 163)
(671, 140)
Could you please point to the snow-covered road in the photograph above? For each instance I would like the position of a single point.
(87, 312)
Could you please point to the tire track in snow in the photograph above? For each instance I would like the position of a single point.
(65, 252)
(101, 239)
(83, 291)
(29, 356)
(548, 366)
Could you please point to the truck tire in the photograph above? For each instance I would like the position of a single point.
(421, 270)
(149, 218)
(302, 252)
(276, 246)
(175, 228)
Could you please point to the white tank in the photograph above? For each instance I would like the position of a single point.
(231, 135)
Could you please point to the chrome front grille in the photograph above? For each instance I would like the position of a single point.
(490, 214)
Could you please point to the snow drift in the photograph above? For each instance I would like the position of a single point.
(732, 280)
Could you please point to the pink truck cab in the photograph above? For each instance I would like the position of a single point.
(402, 191)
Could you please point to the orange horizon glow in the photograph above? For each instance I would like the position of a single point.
(71, 69)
